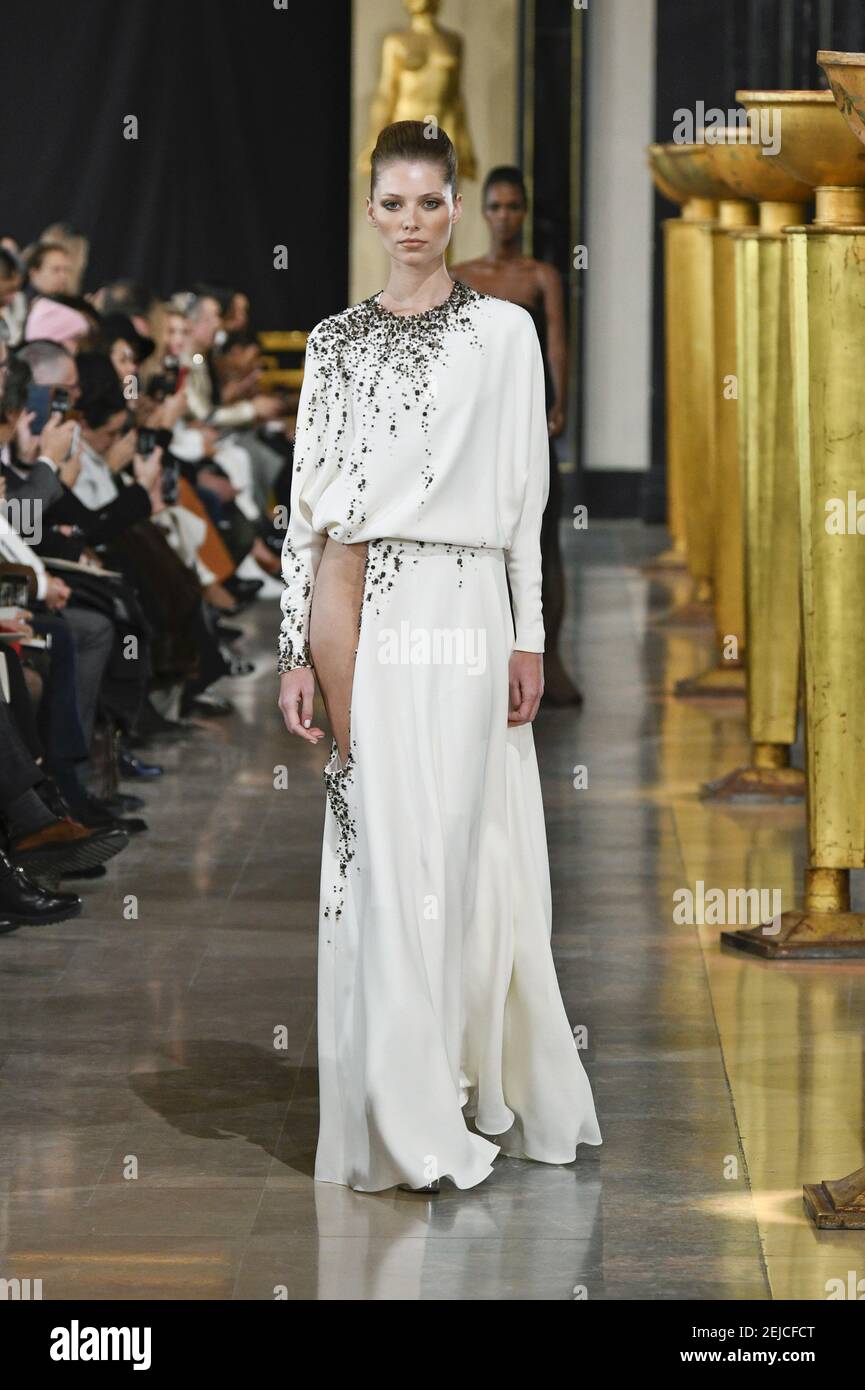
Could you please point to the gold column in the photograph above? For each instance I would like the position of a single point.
(827, 289)
(724, 495)
(675, 352)
(770, 488)
(771, 513)
(688, 270)
(682, 170)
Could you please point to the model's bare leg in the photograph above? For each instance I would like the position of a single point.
(334, 623)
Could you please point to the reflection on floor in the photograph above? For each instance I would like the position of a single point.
(157, 1058)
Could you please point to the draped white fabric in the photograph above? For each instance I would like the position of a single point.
(438, 998)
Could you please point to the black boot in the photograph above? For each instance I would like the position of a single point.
(22, 902)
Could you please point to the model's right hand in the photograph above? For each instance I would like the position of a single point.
(296, 698)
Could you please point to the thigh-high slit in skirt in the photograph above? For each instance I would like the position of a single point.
(438, 999)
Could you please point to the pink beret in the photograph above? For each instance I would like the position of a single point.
(56, 322)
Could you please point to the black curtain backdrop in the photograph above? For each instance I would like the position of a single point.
(243, 142)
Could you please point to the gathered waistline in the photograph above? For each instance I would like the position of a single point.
(420, 548)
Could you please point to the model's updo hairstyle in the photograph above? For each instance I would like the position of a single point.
(506, 173)
(414, 140)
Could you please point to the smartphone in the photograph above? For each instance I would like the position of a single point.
(39, 402)
(76, 440)
(61, 401)
(170, 479)
(146, 442)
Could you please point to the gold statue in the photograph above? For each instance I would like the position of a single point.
(421, 72)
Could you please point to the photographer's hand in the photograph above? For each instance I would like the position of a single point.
(69, 468)
(147, 470)
(56, 440)
(121, 452)
(28, 444)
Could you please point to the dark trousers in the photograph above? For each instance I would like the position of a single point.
(18, 771)
(59, 720)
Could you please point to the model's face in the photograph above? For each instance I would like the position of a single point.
(414, 211)
(504, 211)
(52, 277)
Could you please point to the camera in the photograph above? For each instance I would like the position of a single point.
(166, 382)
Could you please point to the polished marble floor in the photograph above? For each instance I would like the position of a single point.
(157, 1057)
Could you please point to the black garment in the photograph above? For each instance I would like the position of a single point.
(59, 717)
(18, 772)
(35, 482)
(27, 814)
(98, 526)
(539, 317)
(553, 509)
(21, 705)
(170, 597)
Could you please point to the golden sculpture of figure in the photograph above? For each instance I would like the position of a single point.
(421, 79)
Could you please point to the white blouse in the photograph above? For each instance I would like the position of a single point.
(424, 427)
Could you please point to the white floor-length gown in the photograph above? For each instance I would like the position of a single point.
(425, 436)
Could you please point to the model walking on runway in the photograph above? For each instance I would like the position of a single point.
(420, 477)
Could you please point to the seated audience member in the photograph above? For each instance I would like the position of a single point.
(126, 348)
(13, 303)
(49, 269)
(222, 440)
(236, 318)
(137, 483)
(128, 297)
(77, 248)
(55, 322)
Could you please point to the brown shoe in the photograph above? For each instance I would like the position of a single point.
(65, 844)
(219, 597)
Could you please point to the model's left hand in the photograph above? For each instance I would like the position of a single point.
(555, 421)
(526, 686)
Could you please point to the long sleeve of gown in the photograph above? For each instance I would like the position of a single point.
(523, 558)
(319, 449)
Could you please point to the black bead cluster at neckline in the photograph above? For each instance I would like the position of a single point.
(459, 294)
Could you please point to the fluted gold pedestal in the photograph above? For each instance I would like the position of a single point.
(837, 1204)
(825, 929)
(689, 368)
(695, 612)
(830, 435)
(827, 283)
(682, 173)
(768, 777)
(723, 682)
(770, 489)
(723, 497)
